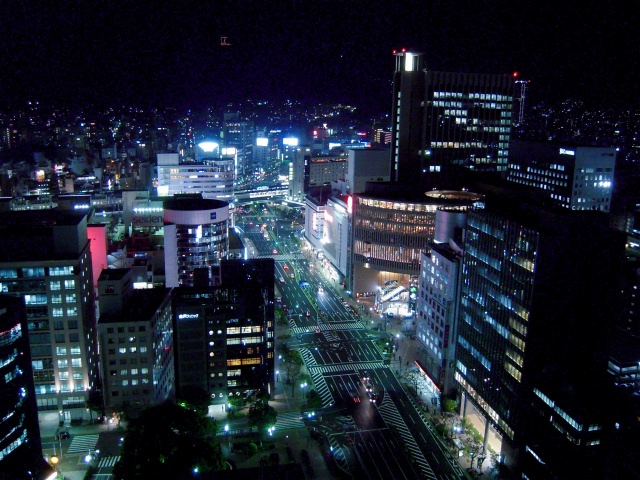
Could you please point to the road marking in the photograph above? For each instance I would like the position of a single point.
(83, 444)
(108, 462)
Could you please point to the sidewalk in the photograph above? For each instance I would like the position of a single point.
(423, 400)
(70, 466)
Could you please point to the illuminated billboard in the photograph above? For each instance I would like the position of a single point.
(208, 147)
(230, 151)
(291, 141)
(262, 142)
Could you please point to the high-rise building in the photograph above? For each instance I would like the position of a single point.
(569, 176)
(210, 175)
(196, 239)
(391, 228)
(45, 259)
(438, 301)
(328, 231)
(367, 165)
(536, 305)
(20, 445)
(135, 332)
(239, 134)
(299, 163)
(223, 335)
(444, 121)
(325, 169)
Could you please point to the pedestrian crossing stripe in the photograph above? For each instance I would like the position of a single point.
(345, 367)
(320, 385)
(389, 413)
(83, 444)
(289, 420)
(324, 327)
(108, 462)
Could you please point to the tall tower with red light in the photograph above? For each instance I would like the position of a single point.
(448, 124)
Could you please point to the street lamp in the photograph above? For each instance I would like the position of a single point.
(53, 460)
(226, 431)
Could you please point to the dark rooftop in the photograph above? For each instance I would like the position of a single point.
(187, 203)
(113, 273)
(142, 305)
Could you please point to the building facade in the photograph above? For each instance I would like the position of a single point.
(299, 163)
(211, 175)
(324, 170)
(328, 231)
(391, 229)
(20, 445)
(531, 333)
(196, 237)
(135, 332)
(443, 121)
(224, 335)
(240, 135)
(46, 261)
(438, 301)
(573, 177)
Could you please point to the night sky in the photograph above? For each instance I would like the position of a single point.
(169, 53)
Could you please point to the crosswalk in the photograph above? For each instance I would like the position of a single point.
(338, 455)
(320, 385)
(389, 413)
(83, 444)
(289, 420)
(330, 336)
(344, 367)
(108, 462)
(284, 257)
(307, 357)
(326, 327)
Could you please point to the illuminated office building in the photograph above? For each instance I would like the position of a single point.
(20, 445)
(196, 239)
(391, 229)
(239, 135)
(324, 170)
(210, 175)
(573, 177)
(443, 121)
(223, 336)
(45, 259)
(438, 300)
(537, 303)
(299, 158)
(135, 332)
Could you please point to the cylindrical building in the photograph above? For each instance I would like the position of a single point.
(196, 238)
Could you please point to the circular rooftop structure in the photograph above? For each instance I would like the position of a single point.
(454, 196)
(195, 211)
(190, 204)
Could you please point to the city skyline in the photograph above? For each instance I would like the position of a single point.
(189, 54)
